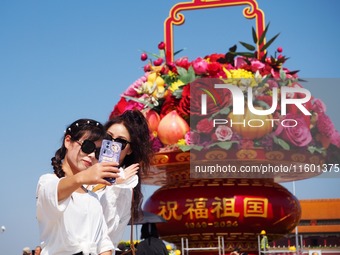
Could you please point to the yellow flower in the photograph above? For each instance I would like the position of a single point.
(155, 78)
(240, 77)
(172, 74)
(181, 142)
(175, 85)
(241, 73)
(168, 247)
(159, 92)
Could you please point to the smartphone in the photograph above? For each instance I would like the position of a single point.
(110, 152)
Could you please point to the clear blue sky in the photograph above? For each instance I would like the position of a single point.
(61, 60)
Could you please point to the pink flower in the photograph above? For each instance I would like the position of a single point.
(132, 105)
(318, 106)
(192, 137)
(325, 125)
(239, 62)
(200, 66)
(295, 132)
(205, 126)
(256, 65)
(131, 90)
(223, 133)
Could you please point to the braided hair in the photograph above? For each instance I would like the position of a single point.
(76, 130)
(137, 126)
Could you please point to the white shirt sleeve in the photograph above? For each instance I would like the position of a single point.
(116, 203)
(47, 196)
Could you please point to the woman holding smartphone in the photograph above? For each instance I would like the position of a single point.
(131, 130)
(70, 217)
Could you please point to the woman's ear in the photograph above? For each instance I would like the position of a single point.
(129, 151)
(67, 141)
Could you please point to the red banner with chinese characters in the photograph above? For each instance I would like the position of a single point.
(238, 209)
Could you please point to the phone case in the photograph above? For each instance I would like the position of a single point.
(110, 152)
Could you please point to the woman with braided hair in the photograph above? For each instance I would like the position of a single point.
(132, 131)
(70, 217)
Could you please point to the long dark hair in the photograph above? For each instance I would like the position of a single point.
(76, 130)
(137, 126)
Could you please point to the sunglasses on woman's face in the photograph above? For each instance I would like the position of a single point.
(119, 140)
(88, 147)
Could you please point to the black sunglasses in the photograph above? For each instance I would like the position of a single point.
(119, 140)
(87, 146)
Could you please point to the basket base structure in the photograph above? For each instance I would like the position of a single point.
(203, 208)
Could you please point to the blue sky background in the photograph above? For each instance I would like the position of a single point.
(63, 60)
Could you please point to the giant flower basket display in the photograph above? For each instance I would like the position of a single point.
(226, 128)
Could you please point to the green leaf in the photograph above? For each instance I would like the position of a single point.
(282, 143)
(233, 48)
(293, 72)
(230, 57)
(186, 76)
(254, 35)
(140, 101)
(191, 73)
(181, 71)
(263, 34)
(185, 147)
(179, 51)
(269, 42)
(264, 81)
(313, 149)
(210, 95)
(223, 111)
(262, 104)
(189, 147)
(178, 93)
(197, 147)
(224, 145)
(162, 54)
(283, 75)
(248, 46)
(152, 54)
(272, 59)
(245, 54)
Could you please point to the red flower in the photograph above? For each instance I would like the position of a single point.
(170, 104)
(184, 104)
(124, 105)
(214, 69)
(216, 98)
(183, 62)
(119, 108)
(214, 57)
(204, 126)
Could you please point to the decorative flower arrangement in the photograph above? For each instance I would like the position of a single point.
(170, 94)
